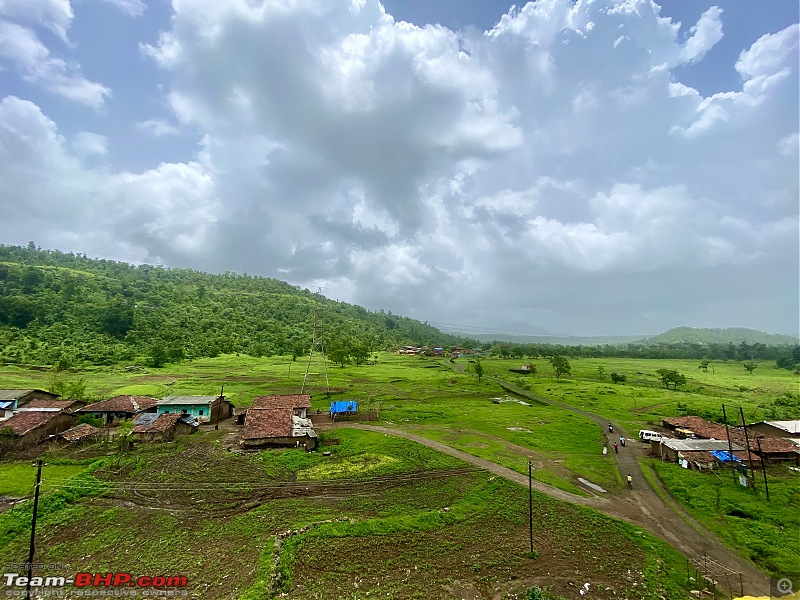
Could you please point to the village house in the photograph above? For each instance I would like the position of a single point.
(34, 427)
(702, 454)
(119, 408)
(778, 429)
(773, 449)
(45, 405)
(164, 427)
(206, 409)
(279, 421)
(11, 400)
(299, 404)
(80, 434)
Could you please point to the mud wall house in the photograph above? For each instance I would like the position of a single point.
(206, 409)
(677, 450)
(29, 428)
(12, 399)
(298, 403)
(773, 450)
(697, 426)
(276, 427)
(119, 408)
(165, 427)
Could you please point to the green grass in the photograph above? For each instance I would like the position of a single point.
(768, 533)
(18, 479)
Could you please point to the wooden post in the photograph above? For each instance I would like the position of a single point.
(749, 456)
(730, 446)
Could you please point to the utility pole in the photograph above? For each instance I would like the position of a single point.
(530, 502)
(730, 446)
(219, 409)
(32, 548)
(749, 456)
(318, 345)
(763, 467)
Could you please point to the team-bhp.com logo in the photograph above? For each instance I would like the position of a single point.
(96, 580)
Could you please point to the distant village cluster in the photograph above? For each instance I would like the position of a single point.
(700, 444)
(31, 417)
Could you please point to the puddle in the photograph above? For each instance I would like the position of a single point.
(522, 429)
(594, 486)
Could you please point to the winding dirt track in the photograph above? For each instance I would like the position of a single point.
(643, 506)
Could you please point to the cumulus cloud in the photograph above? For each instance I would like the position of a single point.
(553, 165)
(26, 54)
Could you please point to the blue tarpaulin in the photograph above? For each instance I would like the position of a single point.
(344, 406)
(723, 456)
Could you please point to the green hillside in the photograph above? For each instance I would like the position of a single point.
(735, 335)
(69, 310)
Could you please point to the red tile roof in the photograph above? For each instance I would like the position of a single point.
(268, 423)
(699, 426)
(706, 429)
(162, 424)
(25, 422)
(126, 404)
(80, 432)
(44, 403)
(289, 401)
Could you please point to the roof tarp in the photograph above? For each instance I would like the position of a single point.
(725, 456)
(344, 406)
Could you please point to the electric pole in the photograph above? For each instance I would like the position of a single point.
(32, 548)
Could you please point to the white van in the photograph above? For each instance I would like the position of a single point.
(647, 436)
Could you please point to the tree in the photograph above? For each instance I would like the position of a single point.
(617, 378)
(671, 377)
(560, 365)
(532, 369)
(750, 367)
(704, 365)
(601, 370)
(478, 369)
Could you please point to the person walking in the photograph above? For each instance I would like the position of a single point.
(630, 482)
(616, 448)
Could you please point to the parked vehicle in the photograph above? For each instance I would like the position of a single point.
(646, 435)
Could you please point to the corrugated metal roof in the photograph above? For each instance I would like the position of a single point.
(699, 445)
(188, 400)
(792, 427)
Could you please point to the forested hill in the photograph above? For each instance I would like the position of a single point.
(736, 335)
(67, 310)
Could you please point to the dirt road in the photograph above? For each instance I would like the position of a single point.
(643, 506)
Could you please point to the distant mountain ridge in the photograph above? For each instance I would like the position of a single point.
(735, 335)
(562, 340)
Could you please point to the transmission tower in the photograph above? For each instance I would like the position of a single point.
(316, 356)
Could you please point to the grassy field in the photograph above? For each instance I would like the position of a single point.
(436, 399)
(346, 531)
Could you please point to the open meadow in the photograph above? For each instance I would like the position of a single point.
(447, 529)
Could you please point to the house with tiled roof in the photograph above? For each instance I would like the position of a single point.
(47, 405)
(34, 427)
(279, 421)
(80, 434)
(163, 427)
(298, 403)
(12, 399)
(120, 408)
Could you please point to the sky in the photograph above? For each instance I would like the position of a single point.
(588, 167)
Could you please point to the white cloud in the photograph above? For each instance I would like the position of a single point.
(89, 144)
(30, 58)
(520, 169)
(157, 127)
(55, 15)
(132, 8)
